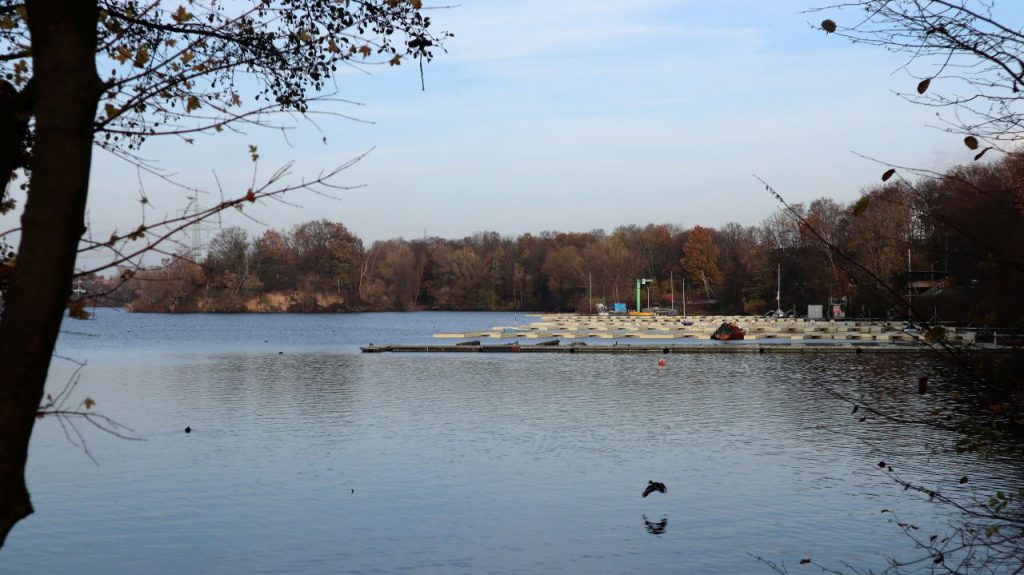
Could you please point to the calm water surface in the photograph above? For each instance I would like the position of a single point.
(309, 457)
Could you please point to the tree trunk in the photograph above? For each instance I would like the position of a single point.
(15, 109)
(66, 95)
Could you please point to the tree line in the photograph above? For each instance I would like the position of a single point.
(949, 241)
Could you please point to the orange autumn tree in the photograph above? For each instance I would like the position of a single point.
(700, 258)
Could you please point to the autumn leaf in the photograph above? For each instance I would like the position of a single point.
(888, 174)
(861, 205)
(7, 205)
(110, 110)
(935, 334)
(828, 26)
(922, 87)
(971, 142)
(252, 153)
(332, 46)
(193, 104)
(141, 57)
(249, 195)
(88, 403)
(76, 310)
(181, 15)
(417, 4)
(396, 60)
(366, 51)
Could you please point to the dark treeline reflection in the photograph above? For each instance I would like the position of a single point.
(960, 229)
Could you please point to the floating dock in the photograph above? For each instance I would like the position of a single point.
(571, 326)
(715, 347)
(561, 333)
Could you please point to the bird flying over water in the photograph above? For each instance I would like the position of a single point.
(653, 486)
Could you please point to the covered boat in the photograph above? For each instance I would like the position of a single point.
(728, 331)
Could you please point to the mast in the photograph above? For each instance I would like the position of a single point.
(778, 292)
(590, 292)
(684, 296)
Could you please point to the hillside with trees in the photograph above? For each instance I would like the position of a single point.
(957, 233)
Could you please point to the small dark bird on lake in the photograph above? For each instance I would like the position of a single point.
(653, 486)
(188, 429)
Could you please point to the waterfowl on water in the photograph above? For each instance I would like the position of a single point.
(188, 429)
(653, 486)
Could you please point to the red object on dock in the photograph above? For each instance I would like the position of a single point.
(728, 331)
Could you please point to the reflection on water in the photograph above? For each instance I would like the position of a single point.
(656, 527)
(323, 460)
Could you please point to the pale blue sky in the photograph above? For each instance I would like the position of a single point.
(574, 115)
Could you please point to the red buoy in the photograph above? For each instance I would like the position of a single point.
(662, 362)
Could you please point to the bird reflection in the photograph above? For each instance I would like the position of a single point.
(656, 527)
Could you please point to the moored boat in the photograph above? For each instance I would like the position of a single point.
(728, 331)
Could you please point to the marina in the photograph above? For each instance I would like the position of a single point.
(675, 334)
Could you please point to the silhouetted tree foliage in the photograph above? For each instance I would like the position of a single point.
(963, 59)
(168, 68)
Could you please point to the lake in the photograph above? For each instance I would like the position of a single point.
(307, 456)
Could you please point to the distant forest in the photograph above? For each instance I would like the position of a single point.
(959, 234)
